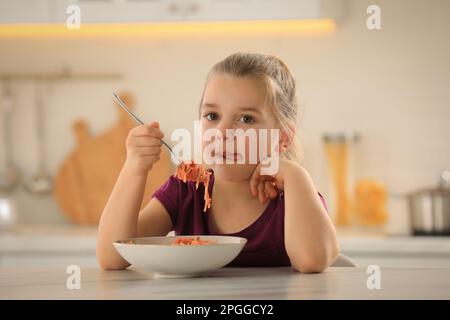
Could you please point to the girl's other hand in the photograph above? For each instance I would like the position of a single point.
(143, 147)
(268, 186)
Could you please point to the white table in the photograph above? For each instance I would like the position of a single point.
(226, 283)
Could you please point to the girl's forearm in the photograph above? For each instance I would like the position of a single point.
(310, 237)
(120, 216)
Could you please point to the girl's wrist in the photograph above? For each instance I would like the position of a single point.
(288, 168)
(130, 169)
(292, 172)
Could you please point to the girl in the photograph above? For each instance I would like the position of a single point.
(282, 216)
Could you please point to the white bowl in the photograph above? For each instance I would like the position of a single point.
(158, 255)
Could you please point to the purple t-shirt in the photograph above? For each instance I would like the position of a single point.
(265, 237)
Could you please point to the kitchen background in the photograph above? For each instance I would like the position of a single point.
(389, 86)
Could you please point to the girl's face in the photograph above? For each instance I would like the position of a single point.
(231, 102)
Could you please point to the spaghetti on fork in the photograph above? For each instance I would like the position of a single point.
(195, 173)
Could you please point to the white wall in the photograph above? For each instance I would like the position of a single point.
(390, 85)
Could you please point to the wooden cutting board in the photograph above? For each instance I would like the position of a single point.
(88, 174)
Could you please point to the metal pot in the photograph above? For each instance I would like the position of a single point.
(430, 209)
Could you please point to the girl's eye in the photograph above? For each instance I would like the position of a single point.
(211, 116)
(247, 119)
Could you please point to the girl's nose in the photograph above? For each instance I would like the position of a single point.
(222, 128)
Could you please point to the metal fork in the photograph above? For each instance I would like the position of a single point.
(139, 121)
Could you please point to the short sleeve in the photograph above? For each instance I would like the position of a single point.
(169, 196)
(323, 201)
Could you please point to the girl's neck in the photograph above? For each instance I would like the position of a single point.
(233, 190)
(233, 207)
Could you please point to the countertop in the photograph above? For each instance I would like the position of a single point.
(226, 283)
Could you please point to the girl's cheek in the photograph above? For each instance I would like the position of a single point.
(251, 147)
(256, 149)
(262, 147)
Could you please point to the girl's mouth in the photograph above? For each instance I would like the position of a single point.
(232, 156)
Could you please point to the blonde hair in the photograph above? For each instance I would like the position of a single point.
(281, 90)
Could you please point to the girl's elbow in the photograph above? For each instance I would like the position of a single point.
(111, 265)
(106, 262)
(315, 263)
(306, 266)
(114, 267)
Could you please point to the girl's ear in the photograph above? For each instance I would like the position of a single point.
(286, 139)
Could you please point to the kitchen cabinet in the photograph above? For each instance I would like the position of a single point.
(397, 251)
(138, 11)
(48, 246)
(33, 11)
(111, 11)
(217, 10)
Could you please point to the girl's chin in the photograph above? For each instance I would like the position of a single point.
(233, 172)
